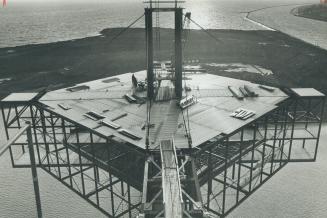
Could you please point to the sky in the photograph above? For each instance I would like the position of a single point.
(45, 1)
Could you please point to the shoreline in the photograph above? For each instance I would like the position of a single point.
(281, 18)
(257, 23)
(65, 63)
(315, 12)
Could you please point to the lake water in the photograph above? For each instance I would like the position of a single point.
(298, 191)
(28, 22)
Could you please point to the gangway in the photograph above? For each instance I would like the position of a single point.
(194, 162)
(172, 194)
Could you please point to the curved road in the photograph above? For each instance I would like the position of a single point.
(280, 18)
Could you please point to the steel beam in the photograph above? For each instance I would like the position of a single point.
(178, 52)
(34, 171)
(149, 52)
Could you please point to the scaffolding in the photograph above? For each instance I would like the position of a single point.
(124, 181)
(167, 173)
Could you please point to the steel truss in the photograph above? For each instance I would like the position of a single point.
(122, 181)
(233, 166)
(80, 159)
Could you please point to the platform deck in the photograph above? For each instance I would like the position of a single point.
(207, 118)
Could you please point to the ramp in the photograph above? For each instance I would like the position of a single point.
(172, 197)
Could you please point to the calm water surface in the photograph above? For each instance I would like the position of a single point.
(298, 191)
(22, 22)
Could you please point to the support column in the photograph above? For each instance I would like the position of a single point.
(178, 52)
(34, 172)
(149, 51)
(319, 128)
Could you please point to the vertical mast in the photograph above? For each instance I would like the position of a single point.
(149, 52)
(178, 12)
(178, 52)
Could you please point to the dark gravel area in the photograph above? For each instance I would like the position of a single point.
(54, 65)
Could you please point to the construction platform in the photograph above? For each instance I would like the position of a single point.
(171, 141)
(92, 138)
(209, 117)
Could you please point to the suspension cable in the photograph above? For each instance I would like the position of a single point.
(186, 120)
(125, 29)
(205, 30)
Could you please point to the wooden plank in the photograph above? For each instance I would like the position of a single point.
(170, 181)
(145, 183)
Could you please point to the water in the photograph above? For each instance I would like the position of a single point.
(297, 191)
(17, 194)
(33, 22)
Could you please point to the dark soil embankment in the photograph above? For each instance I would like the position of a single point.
(293, 62)
(316, 12)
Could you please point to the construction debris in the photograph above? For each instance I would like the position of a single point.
(236, 93)
(188, 101)
(242, 114)
(267, 88)
(250, 91)
(130, 98)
